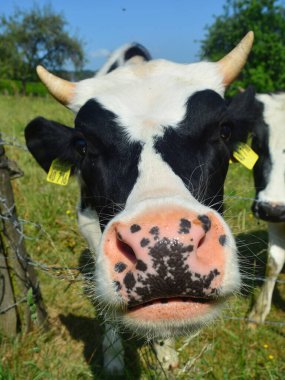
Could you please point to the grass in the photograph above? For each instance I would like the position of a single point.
(15, 87)
(71, 349)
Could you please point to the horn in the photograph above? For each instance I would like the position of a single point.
(233, 62)
(60, 89)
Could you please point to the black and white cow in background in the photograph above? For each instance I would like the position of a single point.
(151, 146)
(269, 177)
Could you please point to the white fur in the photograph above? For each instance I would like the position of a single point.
(149, 96)
(89, 226)
(276, 260)
(166, 353)
(274, 116)
(157, 180)
(116, 56)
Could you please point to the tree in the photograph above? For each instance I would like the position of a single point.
(266, 65)
(37, 36)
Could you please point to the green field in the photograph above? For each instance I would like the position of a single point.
(71, 350)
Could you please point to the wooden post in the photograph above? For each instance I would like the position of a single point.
(9, 317)
(14, 239)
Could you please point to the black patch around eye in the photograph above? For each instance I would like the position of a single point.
(222, 240)
(225, 132)
(80, 146)
(206, 222)
(135, 228)
(120, 267)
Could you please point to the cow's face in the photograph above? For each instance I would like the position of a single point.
(269, 172)
(151, 146)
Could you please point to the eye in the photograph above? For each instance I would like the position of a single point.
(225, 132)
(80, 146)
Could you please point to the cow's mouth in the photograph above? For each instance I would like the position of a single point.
(164, 301)
(176, 308)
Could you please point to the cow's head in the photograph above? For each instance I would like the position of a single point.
(269, 172)
(151, 147)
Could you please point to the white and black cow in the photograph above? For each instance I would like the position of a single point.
(128, 54)
(269, 176)
(151, 146)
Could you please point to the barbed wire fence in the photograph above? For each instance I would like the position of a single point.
(11, 239)
(15, 263)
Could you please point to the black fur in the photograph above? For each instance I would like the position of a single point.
(110, 167)
(48, 140)
(260, 144)
(137, 50)
(256, 125)
(108, 163)
(196, 151)
(133, 51)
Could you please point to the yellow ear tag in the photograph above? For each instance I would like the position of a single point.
(245, 155)
(59, 173)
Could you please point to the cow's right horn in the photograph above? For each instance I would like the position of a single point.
(60, 89)
(233, 62)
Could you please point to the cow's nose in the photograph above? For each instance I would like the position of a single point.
(164, 255)
(138, 239)
(271, 212)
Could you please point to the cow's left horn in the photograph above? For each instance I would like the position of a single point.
(60, 89)
(233, 62)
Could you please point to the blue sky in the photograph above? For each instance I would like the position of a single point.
(169, 29)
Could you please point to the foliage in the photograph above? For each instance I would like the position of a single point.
(14, 87)
(266, 65)
(37, 36)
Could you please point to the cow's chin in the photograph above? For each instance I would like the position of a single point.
(161, 319)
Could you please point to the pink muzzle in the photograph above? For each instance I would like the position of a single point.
(166, 255)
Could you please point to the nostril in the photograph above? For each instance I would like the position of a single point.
(201, 241)
(125, 249)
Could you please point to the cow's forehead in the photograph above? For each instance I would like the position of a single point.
(148, 96)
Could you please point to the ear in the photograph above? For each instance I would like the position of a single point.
(243, 110)
(47, 140)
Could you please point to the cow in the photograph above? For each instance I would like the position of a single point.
(268, 141)
(125, 55)
(150, 147)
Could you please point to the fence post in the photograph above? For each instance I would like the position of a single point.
(9, 317)
(14, 241)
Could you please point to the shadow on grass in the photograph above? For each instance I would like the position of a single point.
(91, 330)
(253, 248)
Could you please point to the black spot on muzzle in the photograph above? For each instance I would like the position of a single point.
(185, 226)
(206, 222)
(171, 277)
